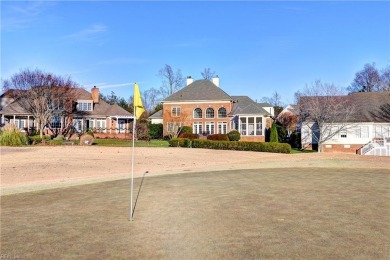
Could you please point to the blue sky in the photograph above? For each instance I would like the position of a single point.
(255, 47)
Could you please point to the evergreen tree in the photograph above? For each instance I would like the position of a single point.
(274, 134)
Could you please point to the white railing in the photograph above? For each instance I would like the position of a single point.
(377, 148)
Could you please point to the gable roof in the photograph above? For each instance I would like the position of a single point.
(157, 115)
(199, 90)
(243, 105)
(365, 104)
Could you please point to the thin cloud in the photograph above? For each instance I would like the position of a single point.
(89, 33)
(21, 15)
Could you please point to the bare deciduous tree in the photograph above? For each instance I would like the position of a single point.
(171, 82)
(274, 100)
(366, 80)
(385, 79)
(324, 112)
(44, 95)
(383, 113)
(151, 98)
(174, 123)
(207, 74)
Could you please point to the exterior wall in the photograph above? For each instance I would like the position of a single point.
(343, 148)
(157, 121)
(352, 138)
(253, 138)
(187, 114)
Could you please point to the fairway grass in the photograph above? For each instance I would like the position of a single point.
(296, 213)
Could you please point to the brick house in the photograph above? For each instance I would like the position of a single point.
(365, 133)
(204, 106)
(91, 113)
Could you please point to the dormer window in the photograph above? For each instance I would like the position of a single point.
(84, 106)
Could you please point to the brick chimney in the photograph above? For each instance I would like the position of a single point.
(189, 80)
(95, 94)
(215, 81)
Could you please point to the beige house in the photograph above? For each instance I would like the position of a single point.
(91, 113)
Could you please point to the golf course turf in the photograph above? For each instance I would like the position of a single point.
(312, 213)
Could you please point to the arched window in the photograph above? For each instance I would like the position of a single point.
(210, 113)
(221, 112)
(198, 113)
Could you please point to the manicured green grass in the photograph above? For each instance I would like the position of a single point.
(126, 143)
(294, 213)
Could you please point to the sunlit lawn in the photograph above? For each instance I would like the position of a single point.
(290, 213)
(124, 143)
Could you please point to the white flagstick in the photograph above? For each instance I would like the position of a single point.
(132, 171)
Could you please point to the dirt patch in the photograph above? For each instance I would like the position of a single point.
(34, 168)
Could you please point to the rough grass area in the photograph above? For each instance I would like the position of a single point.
(247, 214)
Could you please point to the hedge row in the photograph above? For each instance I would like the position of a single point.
(231, 145)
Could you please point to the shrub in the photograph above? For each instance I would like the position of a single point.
(186, 129)
(11, 136)
(34, 139)
(156, 131)
(86, 139)
(218, 137)
(234, 135)
(179, 142)
(274, 134)
(145, 137)
(242, 146)
(189, 136)
(59, 137)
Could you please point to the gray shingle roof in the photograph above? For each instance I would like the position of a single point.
(100, 109)
(199, 90)
(157, 115)
(243, 105)
(365, 105)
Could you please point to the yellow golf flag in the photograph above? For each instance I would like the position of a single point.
(138, 106)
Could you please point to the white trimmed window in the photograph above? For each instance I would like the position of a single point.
(222, 127)
(197, 113)
(101, 124)
(243, 126)
(20, 123)
(84, 106)
(361, 132)
(222, 112)
(197, 128)
(175, 112)
(210, 113)
(78, 125)
(55, 122)
(210, 128)
(382, 131)
(343, 133)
